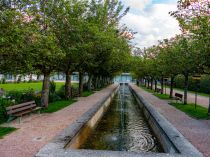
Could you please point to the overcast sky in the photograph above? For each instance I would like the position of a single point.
(151, 20)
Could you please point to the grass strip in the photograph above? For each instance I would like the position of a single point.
(198, 113)
(162, 96)
(6, 130)
(87, 93)
(58, 105)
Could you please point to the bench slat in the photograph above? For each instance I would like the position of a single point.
(22, 113)
(20, 105)
(178, 95)
(21, 109)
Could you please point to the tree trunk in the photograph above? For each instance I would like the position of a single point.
(152, 84)
(90, 82)
(171, 87)
(162, 88)
(155, 85)
(68, 85)
(186, 82)
(81, 83)
(38, 77)
(45, 91)
(148, 83)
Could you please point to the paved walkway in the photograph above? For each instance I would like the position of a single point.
(201, 100)
(36, 131)
(196, 131)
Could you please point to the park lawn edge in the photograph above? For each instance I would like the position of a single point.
(58, 105)
(199, 113)
(160, 96)
(87, 93)
(5, 131)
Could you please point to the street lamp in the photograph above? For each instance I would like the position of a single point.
(197, 79)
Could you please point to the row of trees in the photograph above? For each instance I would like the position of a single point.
(187, 54)
(45, 36)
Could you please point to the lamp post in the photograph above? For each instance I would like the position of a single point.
(197, 79)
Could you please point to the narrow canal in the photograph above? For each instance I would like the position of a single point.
(123, 127)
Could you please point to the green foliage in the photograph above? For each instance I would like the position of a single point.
(202, 86)
(47, 36)
(23, 96)
(6, 130)
(58, 105)
(198, 113)
(52, 87)
(3, 80)
(87, 93)
(162, 96)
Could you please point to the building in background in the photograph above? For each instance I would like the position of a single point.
(124, 77)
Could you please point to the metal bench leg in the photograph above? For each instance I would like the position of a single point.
(39, 112)
(18, 120)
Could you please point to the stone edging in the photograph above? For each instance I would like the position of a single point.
(175, 141)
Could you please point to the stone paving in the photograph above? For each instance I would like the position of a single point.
(196, 131)
(201, 100)
(36, 131)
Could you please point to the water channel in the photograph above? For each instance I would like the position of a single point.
(123, 127)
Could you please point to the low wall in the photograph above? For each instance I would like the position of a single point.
(171, 139)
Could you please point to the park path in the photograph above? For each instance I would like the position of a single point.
(196, 131)
(201, 100)
(36, 131)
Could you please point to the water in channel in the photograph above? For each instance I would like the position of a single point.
(123, 127)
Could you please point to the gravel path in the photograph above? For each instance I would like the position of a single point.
(196, 131)
(36, 131)
(201, 100)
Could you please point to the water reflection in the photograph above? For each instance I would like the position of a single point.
(123, 127)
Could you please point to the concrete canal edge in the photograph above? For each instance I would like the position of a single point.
(77, 132)
(170, 138)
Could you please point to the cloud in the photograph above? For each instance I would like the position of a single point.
(152, 24)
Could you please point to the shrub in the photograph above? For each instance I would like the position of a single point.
(52, 87)
(23, 96)
(3, 80)
(61, 92)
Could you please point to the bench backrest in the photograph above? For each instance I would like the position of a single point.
(178, 95)
(21, 107)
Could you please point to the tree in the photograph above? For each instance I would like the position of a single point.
(44, 54)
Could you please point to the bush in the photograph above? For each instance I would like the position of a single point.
(24, 96)
(61, 92)
(52, 87)
(3, 80)
(54, 97)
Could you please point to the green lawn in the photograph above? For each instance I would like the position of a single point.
(198, 113)
(146, 89)
(24, 86)
(162, 96)
(87, 93)
(6, 130)
(58, 105)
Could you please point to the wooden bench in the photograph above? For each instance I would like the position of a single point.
(21, 109)
(158, 90)
(178, 96)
